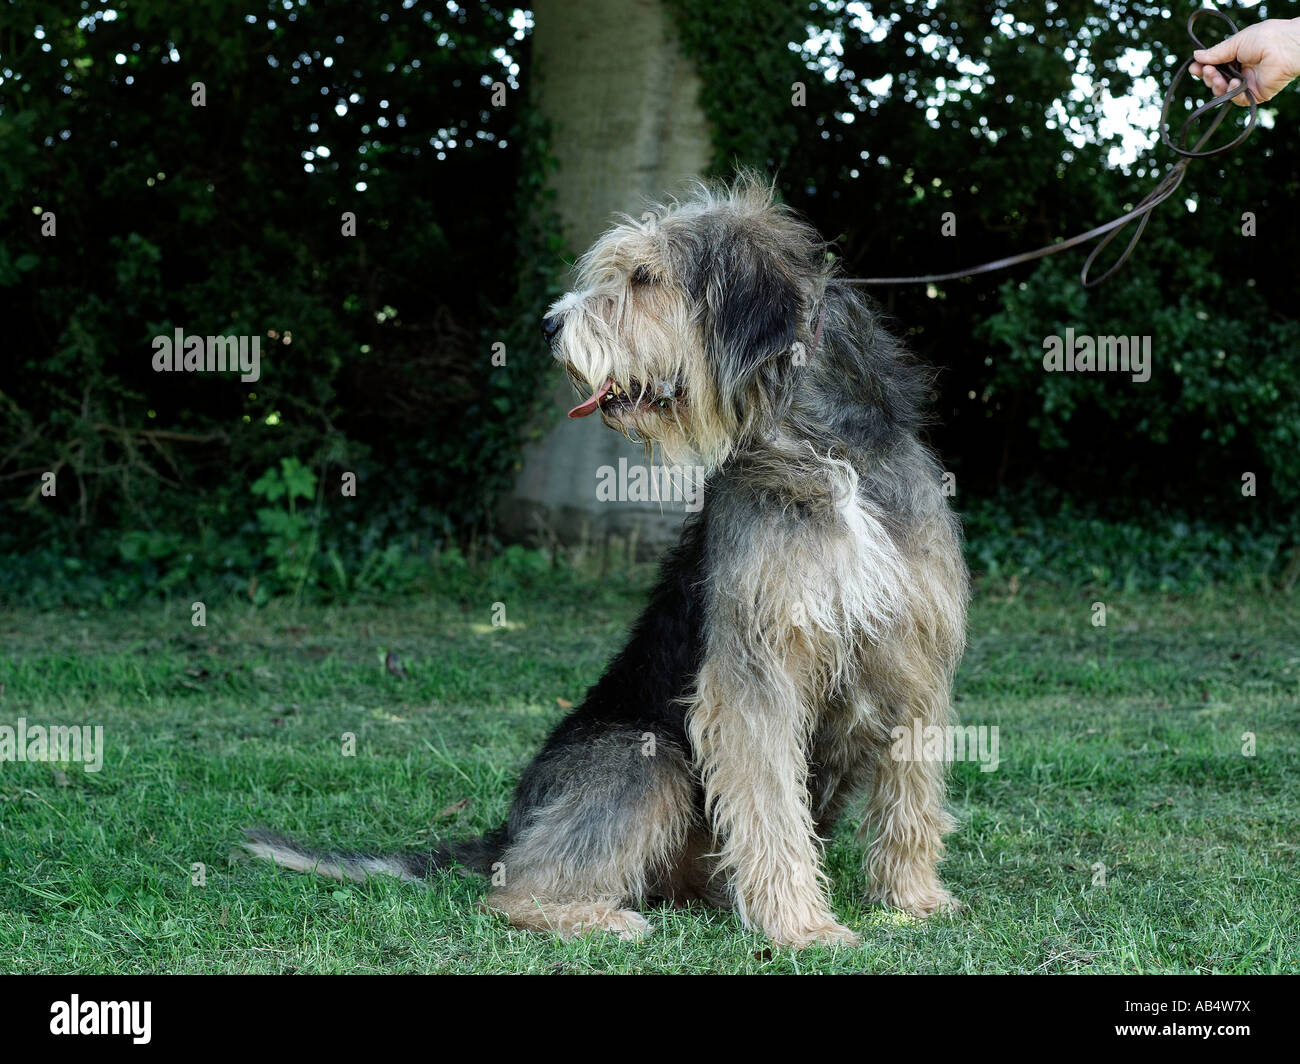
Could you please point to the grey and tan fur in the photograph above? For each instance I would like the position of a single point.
(815, 603)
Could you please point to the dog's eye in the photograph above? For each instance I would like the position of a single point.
(642, 275)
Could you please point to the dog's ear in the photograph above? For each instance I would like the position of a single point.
(753, 306)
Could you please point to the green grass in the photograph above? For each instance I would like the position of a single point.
(1120, 745)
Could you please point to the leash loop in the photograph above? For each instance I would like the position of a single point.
(1229, 71)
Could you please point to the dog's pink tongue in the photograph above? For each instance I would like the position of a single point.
(588, 405)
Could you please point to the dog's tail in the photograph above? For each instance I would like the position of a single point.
(476, 855)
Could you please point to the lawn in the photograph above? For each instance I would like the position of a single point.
(1120, 746)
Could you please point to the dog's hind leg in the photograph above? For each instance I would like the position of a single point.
(597, 821)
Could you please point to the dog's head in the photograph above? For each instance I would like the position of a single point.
(682, 327)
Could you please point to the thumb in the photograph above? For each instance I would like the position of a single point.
(1223, 52)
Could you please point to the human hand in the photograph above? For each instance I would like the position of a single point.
(1268, 54)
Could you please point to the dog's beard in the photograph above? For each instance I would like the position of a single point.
(663, 412)
(662, 396)
(652, 414)
(647, 399)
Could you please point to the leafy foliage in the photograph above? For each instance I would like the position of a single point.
(291, 534)
(232, 218)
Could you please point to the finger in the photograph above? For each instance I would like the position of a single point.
(1223, 52)
(1241, 99)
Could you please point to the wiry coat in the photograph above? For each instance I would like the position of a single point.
(814, 604)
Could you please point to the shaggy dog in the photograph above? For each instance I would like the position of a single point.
(815, 604)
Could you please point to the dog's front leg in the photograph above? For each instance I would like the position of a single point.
(748, 727)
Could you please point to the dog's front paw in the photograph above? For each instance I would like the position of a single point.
(820, 933)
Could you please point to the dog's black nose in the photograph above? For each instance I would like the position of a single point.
(551, 327)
